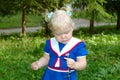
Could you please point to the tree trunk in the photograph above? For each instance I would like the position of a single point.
(24, 20)
(118, 21)
(91, 26)
(47, 30)
(92, 23)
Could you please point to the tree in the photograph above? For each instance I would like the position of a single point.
(9, 7)
(81, 4)
(93, 9)
(113, 6)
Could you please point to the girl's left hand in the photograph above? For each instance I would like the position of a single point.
(70, 62)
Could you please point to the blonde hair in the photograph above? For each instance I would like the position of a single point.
(60, 21)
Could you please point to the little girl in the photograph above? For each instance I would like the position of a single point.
(63, 54)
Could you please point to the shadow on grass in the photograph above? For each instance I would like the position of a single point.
(98, 30)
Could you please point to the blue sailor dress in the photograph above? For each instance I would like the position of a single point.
(57, 68)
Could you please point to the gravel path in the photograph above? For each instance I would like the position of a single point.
(78, 23)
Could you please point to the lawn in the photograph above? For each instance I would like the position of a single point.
(15, 21)
(103, 60)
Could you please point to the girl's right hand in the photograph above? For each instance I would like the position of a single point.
(35, 65)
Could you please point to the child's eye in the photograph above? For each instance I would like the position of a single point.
(58, 34)
(66, 32)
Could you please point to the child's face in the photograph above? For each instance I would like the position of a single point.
(64, 36)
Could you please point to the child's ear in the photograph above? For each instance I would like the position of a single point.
(53, 33)
(73, 25)
(72, 28)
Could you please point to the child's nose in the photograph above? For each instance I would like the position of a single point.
(63, 36)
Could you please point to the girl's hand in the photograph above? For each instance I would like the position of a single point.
(70, 62)
(35, 65)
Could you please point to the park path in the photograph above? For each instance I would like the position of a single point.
(78, 23)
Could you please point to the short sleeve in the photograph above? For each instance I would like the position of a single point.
(47, 47)
(81, 50)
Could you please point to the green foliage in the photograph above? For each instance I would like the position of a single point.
(7, 7)
(10, 7)
(96, 8)
(112, 6)
(16, 57)
(80, 14)
(103, 58)
(17, 53)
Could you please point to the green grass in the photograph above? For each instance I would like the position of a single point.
(16, 21)
(103, 60)
(16, 55)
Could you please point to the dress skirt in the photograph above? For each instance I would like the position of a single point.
(54, 75)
